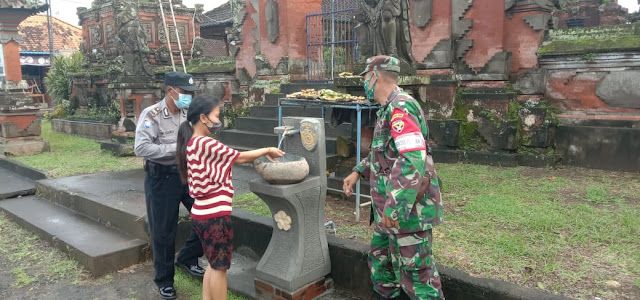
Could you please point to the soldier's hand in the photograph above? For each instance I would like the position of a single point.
(349, 182)
(389, 223)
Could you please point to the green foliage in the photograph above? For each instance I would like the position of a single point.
(57, 79)
(591, 45)
(588, 56)
(232, 114)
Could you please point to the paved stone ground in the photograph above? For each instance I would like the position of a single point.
(134, 282)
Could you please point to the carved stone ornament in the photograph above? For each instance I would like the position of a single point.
(95, 34)
(421, 12)
(272, 18)
(309, 135)
(109, 33)
(282, 220)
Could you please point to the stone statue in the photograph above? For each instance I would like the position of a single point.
(198, 47)
(383, 29)
(131, 38)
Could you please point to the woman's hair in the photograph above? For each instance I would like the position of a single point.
(201, 105)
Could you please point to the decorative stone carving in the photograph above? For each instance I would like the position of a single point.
(109, 33)
(383, 29)
(132, 41)
(198, 47)
(282, 220)
(148, 31)
(440, 57)
(182, 29)
(421, 12)
(272, 20)
(95, 35)
(538, 21)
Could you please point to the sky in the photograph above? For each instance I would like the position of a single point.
(66, 9)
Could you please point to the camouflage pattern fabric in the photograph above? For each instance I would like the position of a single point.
(401, 257)
(382, 63)
(400, 135)
(404, 261)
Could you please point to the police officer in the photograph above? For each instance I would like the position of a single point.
(404, 190)
(156, 135)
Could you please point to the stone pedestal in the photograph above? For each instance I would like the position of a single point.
(297, 258)
(19, 127)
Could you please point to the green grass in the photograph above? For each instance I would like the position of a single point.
(71, 155)
(251, 203)
(36, 262)
(191, 288)
(563, 225)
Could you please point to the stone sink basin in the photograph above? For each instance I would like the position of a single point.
(288, 169)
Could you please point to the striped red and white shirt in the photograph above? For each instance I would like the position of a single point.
(209, 164)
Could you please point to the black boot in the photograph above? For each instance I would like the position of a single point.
(402, 294)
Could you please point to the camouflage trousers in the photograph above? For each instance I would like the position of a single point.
(404, 261)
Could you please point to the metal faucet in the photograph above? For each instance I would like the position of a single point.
(288, 132)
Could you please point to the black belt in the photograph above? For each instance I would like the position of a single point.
(156, 168)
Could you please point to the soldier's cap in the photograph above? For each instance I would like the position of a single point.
(181, 80)
(382, 63)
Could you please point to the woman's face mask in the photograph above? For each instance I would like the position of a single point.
(369, 89)
(183, 101)
(215, 126)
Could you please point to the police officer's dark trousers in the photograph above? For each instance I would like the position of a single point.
(164, 192)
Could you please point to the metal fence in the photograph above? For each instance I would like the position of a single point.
(331, 41)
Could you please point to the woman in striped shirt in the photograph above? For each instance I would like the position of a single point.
(205, 164)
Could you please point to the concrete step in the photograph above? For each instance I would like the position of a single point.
(266, 125)
(99, 248)
(13, 185)
(88, 196)
(250, 139)
(271, 111)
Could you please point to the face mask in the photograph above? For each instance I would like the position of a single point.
(215, 127)
(369, 90)
(184, 100)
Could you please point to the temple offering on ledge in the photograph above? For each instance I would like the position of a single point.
(324, 94)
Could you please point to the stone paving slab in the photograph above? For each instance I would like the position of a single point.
(13, 185)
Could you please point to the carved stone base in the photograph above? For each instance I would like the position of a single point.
(23, 146)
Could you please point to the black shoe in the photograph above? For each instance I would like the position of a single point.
(168, 292)
(194, 270)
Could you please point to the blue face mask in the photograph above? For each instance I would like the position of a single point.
(184, 100)
(370, 90)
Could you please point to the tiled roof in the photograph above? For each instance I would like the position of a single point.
(215, 48)
(36, 38)
(24, 4)
(220, 15)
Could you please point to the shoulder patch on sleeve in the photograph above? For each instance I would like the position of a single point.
(406, 132)
(148, 123)
(155, 111)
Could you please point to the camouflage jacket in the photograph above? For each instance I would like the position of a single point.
(400, 136)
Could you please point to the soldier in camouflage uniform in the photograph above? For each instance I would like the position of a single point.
(404, 189)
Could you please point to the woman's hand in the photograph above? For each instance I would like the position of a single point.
(273, 153)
